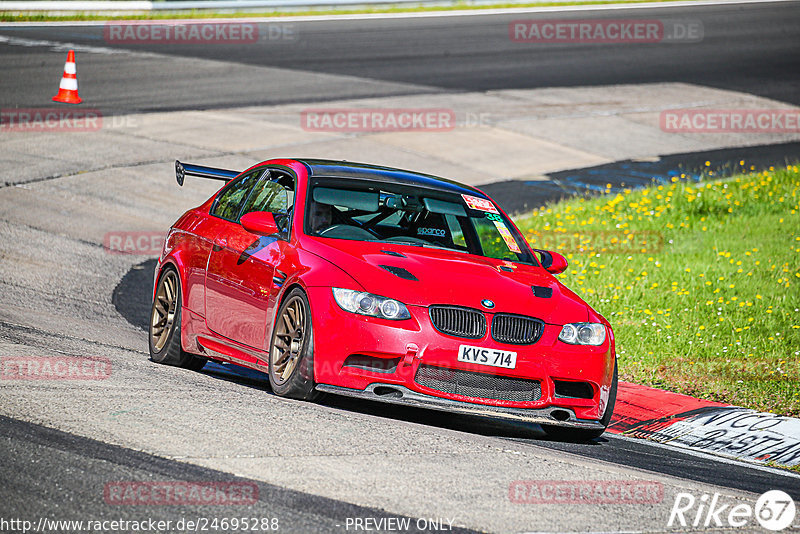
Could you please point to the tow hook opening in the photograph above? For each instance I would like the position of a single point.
(559, 415)
(388, 392)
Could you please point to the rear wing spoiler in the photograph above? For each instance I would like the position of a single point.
(187, 169)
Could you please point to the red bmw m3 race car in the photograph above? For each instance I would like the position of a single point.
(384, 285)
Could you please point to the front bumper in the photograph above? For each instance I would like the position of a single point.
(339, 335)
(395, 394)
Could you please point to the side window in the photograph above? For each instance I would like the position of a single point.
(275, 194)
(271, 196)
(230, 200)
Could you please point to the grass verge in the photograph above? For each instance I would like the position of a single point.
(700, 280)
(8, 16)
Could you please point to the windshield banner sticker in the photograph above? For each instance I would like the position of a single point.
(507, 237)
(477, 203)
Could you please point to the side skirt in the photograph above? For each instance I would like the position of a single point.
(230, 351)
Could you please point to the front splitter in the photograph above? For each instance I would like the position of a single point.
(401, 395)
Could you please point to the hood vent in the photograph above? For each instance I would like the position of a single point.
(393, 253)
(399, 271)
(542, 292)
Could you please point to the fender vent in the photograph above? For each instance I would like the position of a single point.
(399, 271)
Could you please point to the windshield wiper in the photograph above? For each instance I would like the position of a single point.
(431, 245)
(397, 242)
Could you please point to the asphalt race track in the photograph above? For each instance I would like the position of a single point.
(316, 467)
(48, 451)
(750, 48)
(130, 300)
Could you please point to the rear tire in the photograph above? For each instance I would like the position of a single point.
(165, 325)
(580, 434)
(291, 349)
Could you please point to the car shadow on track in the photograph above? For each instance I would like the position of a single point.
(131, 298)
(484, 426)
(133, 295)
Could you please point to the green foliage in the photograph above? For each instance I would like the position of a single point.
(700, 280)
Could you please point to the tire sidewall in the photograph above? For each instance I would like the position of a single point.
(301, 383)
(612, 398)
(163, 356)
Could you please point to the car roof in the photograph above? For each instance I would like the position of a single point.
(364, 171)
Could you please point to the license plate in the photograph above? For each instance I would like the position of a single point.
(491, 357)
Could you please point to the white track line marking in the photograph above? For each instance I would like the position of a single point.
(65, 47)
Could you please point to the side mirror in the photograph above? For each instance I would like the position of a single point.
(259, 222)
(553, 262)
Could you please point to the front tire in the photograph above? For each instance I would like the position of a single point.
(582, 435)
(291, 352)
(165, 325)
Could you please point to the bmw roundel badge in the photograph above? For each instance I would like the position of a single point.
(487, 303)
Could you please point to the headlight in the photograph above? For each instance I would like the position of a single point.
(583, 334)
(368, 304)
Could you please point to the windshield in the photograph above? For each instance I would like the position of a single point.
(392, 213)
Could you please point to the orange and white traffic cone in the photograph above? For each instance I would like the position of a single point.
(68, 89)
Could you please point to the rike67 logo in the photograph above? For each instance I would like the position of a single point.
(774, 510)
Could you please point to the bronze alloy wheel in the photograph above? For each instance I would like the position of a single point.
(290, 338)
(162, 318)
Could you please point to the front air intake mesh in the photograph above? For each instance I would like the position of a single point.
(478, 385)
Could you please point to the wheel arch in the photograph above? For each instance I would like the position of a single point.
(300, 383)
(173, 261)
(294, 284)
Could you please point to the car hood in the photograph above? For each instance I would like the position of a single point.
(425, 276)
